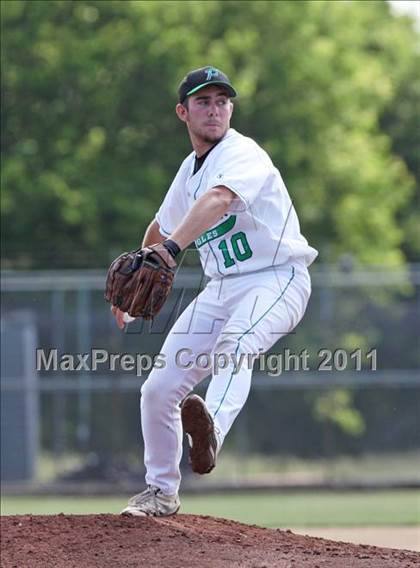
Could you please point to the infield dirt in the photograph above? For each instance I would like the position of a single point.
(105, 541)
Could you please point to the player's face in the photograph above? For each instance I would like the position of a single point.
(208, 114)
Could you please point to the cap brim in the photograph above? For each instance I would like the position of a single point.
(229, 88)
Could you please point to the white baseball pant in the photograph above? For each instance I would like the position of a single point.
(236, 315)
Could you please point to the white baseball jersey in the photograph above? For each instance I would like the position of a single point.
(261, 228)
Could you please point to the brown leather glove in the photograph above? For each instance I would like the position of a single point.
(138, 282)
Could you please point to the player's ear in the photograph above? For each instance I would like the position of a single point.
(231, 108)
(182, 112)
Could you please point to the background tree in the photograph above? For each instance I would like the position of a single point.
(400, 121)
(91, 142)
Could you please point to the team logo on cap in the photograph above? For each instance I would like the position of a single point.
(212, 73)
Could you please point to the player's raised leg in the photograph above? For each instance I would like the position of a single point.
(268, 307)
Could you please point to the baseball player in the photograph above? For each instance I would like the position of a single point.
(230, 200)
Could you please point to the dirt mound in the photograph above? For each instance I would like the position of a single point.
(105, 541)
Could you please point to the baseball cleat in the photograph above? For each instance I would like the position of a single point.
(199, 427)
(152, 503)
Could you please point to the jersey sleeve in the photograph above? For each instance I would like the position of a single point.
(174, 206)
(243, 168)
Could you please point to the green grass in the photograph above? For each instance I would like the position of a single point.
(274, 509)
(231, 466)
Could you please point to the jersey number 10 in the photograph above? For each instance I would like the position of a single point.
(238, 242)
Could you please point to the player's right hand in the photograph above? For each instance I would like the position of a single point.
(119, 316)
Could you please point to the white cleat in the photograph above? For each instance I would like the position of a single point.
(152, 503)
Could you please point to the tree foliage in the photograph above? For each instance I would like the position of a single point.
(91, 142)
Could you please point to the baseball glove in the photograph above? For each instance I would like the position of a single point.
(138, 282)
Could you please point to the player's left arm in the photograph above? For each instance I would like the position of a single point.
(152, 235)
(205, 212)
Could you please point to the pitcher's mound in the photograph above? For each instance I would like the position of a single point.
(111, 541)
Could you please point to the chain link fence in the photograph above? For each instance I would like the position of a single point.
(337, 400)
